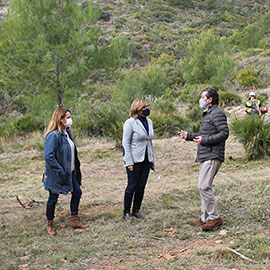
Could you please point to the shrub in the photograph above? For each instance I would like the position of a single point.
(180, 3)
(160, 11)
(167, 125)
(166, 119)
(263, 97)
(254, 133)
(207, 60)
(139, 83)
(192, 92)
(102, 121)
(251, 36)
(194, 114)
(265, 23)
(6, 127)
(249, 78)
(211, 4)
(228, 99)
(27, 123)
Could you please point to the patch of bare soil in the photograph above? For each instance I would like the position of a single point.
(9, 155)
(97, 210)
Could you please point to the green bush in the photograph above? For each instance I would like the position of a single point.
(6, 127)
(249, 78)
(251, 36)
(166, 119)
(192, 93)
(265, 23)
(227, 98)
(26, 124)
(263, 97)
(211, 4)
(167, 125)
(150, 81)
(254, 133)
(161, 12)
(208, 60)
(180, 3)
(102, 121)
(194, 114)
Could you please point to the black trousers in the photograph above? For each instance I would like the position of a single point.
(137, 180)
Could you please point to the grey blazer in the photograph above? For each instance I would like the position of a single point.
(136, 140)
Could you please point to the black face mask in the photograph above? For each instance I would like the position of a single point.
(146, 112)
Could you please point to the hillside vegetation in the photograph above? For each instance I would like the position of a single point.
(96, 57)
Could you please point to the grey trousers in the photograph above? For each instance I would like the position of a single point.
(208, 170)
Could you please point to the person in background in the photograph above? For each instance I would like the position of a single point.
(62, 174)
(253, 105)
(211, 139)
(138, 156)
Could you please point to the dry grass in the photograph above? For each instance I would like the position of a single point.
(163, 241)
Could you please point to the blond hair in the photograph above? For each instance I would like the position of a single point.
(136, 106)
(55, 123)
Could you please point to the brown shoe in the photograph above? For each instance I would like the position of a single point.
(197, 223)
(50, 227)
(212, 224)
(75, 223)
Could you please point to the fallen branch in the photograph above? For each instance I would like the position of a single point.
(243, 256)
(183, 250)
(29, 205)
(20, 202)
(158, 238)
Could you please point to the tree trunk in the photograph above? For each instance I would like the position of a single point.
(58, 83)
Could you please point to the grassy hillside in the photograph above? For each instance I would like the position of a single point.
(163, 241)
(156, 27)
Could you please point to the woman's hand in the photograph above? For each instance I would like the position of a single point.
(131, 168)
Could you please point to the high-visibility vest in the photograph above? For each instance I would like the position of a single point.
(254, 104)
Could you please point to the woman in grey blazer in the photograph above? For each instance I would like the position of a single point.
(138, 155)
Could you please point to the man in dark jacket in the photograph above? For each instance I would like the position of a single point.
(210, 153)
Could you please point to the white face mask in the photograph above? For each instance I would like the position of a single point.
(202, 103)
(68, 123)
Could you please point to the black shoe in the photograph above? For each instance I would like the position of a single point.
(138, 215)
(126, 216)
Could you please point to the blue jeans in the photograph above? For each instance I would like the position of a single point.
(74, 202)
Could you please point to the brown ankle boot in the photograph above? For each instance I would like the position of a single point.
(50, 227)
(75, 223)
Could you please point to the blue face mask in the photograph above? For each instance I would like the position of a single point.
(202, 103)
(146, 112)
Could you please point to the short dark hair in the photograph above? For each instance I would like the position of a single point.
(213, 94)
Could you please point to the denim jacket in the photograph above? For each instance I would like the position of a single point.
(57, 155)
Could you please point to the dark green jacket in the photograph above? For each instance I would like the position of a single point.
(214, 131)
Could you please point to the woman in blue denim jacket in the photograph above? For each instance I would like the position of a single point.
(62, 174)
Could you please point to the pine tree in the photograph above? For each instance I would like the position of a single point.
(48, 50)
(208, 60)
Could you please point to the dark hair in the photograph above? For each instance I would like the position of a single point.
(213, 94)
